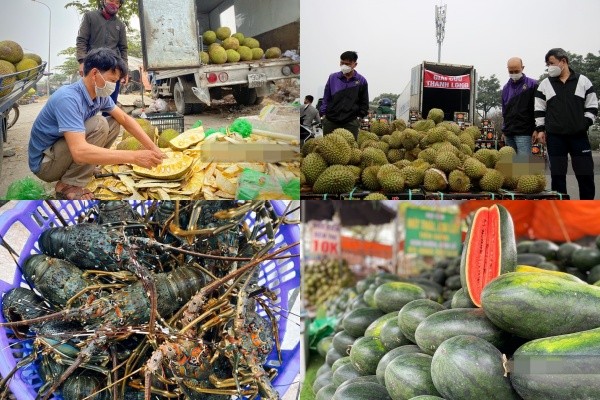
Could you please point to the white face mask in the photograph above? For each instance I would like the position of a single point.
(107, 90)
(516, 77)
(554, 71)
(346, 69)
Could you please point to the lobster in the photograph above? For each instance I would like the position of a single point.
(194, 356)
(62, 283)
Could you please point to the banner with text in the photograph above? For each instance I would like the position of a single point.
(432, 232)
(438, 81)
(325, 240)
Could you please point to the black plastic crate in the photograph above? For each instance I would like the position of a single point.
(315, 196)
(545, 195)
(462, 196)
(411, 194)
(169, 120)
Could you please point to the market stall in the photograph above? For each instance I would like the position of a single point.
(488, 286)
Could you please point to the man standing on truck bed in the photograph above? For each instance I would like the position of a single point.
(102, 28)
(68, 138)
(517, 108)
(565, 108)
(346, 97)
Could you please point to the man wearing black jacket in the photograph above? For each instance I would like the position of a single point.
(102, 28)
(565, 107)
(346, 97)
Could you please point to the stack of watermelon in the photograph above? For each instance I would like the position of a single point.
(511, 332)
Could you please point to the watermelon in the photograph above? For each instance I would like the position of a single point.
(530, 259)
(332, 356)
(470, 368)
(342, 342)
(391, 336)
(366, 353)
(357, 321)
(326, 392)
(564, 275)
(489, 250)
(524, 246)
(585, 258)
(533, 305)
(375, 328)
(565, 251)
(461, 300)
(340, 362)
(343, 373)
(559, 367)
(390, 355)
(413, 313)
(409, 375)
(362, 391)
(426, 397)
(322, 380)
(392, 296)
(362, 378)
(324, 345)
(546, 248)
(445, 324)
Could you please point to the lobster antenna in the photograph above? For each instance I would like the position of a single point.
(56, 212)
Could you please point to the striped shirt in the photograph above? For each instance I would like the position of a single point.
(565, 108)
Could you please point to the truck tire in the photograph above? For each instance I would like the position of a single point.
(244, 95)
(178, 95)
(197, 108)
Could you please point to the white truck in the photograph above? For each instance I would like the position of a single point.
(171, 34)
(451, 87)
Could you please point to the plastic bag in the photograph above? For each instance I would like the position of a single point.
(253, 185)
(26, 189)
(158, 105)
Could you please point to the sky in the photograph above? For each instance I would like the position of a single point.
(26, 22)
(392, 36)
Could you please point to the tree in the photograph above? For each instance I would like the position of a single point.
(134, 43)
(134, 39)
(70, 66)
(128, 8)
(391, 96)
(488, 94)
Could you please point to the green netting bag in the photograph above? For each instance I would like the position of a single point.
(242, 126)
(26, 189)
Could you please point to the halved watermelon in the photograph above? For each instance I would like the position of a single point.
(489, 250)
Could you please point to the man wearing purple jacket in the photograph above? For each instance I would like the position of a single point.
(346, 97)
(517, 108)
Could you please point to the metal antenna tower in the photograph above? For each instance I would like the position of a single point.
(440, 27)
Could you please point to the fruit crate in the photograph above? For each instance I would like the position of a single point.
(315, 196)
(166, 120)
(545, 195)
(410, 194)
(31, 218)
(462, 196)
(487, 144)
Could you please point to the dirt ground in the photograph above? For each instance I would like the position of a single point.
(220, 113)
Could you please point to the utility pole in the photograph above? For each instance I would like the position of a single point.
(49, 41)
(440, 27)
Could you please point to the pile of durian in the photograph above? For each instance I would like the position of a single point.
(432, 154)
